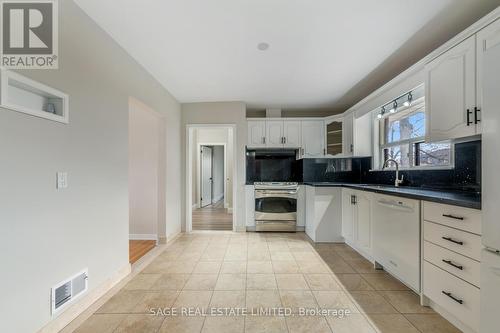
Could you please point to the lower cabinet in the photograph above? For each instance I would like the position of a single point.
(323, 214)
(357, 220)
(347, 215)
(454, 295)
(451, 266)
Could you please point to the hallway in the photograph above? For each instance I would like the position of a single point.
(213, 217)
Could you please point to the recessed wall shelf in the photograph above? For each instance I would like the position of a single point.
(21, 94)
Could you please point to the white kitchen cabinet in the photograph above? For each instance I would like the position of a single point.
(313, 138)
(348, 135)
(487, 40)
(334, 137)
(451, 93)
(256, 133)
(324, 214)
(292, 130)
(357, 220)
(274, 133)
(396, 237)
(363, 222)
(347, 214)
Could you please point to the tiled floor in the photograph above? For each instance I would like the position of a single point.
(252, 271)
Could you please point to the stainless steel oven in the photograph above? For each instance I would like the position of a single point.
(276, 206)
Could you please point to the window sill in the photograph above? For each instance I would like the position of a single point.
(449, 167)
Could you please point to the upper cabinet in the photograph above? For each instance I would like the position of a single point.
(292, 133)
(334, 138)
(274, 133)
(313, 139)
(256, 133)
(451, 93)
(347, 136)
(487, 39)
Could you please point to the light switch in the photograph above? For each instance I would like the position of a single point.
(62, 180)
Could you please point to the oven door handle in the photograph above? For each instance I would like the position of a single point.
(276, 194)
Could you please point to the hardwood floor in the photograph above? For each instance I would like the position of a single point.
(138, 248)
(213, 217)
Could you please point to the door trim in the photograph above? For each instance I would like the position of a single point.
(188, 226)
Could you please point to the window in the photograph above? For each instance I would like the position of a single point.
(402, 135)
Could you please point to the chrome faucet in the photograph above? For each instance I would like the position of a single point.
(397, 181)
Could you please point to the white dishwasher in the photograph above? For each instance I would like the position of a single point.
(396, 237)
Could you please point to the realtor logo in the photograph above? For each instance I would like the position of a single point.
(29, 34)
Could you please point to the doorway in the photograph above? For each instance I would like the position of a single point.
(145, 178)
(210, 174)
(211, 212)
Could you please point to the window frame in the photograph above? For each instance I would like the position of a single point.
(382, 145)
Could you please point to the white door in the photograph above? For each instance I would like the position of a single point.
(363, 221)
(451, 93)
(292, 133)
(274, 133)
(206, 176)
(490, 81)
(347, 214)
(488, 42)
(256, 133)
(313, 138)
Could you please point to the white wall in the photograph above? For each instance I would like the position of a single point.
(218, 173)
(220, 113)
(49, 234)
(144, 168)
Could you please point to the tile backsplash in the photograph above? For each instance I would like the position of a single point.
(465, 176)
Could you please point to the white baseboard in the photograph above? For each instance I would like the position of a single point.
(218, 198)
(195, 206)
(230, 210)
(226, 205)
(74, 310)
(240, 228)
(80, 311)
(171, 238)
(143, 237)
(251, 228)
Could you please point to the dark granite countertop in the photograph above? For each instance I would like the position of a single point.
(457, 198)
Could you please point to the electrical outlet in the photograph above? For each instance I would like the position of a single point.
(61, 180)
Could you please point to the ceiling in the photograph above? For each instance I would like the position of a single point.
(323, 54)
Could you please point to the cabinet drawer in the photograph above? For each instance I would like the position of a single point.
(456, 217)
(454, 263)
(456, 240)
(466, 304)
